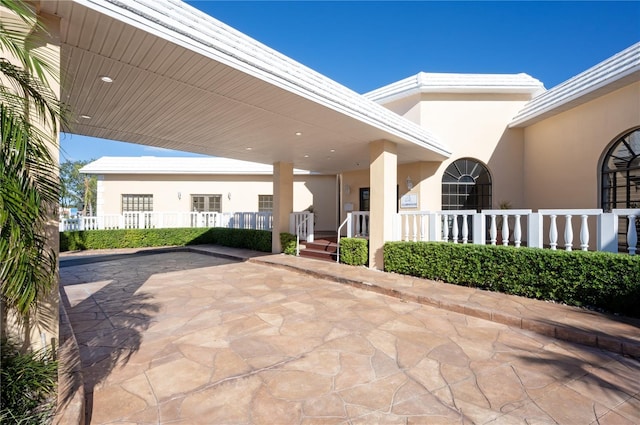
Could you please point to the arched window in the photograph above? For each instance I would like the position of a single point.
(621, 173)
(466, 185)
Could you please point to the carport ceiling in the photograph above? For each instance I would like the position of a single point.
(182, 80)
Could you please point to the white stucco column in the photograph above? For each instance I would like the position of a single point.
(383, 178)
(282, 201)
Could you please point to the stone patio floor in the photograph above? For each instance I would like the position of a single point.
(178, 337)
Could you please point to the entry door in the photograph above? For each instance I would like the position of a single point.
(364, 199)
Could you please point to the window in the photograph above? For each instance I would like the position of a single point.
(206, 203)
(137, 203)
(265, 203)
(621, 173)
(466, 185)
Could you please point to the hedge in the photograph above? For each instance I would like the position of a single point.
(257, 240)
(354, 251)
(591, 279)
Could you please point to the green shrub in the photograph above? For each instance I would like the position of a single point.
(592, 279)
(258, 240)
(28, 385)
(354, 251)
(288, 243)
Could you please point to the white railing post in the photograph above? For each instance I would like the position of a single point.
(607, 232)
(454, 228)
(568, 233)
(534, 229)
(435, 227)
(349, 225)
(310, 236)
(479, 229)
(584, 232)
(505, 229)
(493, 230)
(553, 233)
(632, 234)
(465, 229)
(517, 232)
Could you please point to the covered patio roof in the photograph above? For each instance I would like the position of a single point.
(183, 80)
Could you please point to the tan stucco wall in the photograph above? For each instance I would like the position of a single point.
(562, 154)
(316, 190)
(472, 126)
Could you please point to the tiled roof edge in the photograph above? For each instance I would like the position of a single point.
(424, 82)
(606, 72)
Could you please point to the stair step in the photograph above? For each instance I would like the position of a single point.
(318, 254)
(322, 245)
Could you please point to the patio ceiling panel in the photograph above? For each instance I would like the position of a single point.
(238, 99)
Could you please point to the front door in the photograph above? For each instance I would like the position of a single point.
(364, 199)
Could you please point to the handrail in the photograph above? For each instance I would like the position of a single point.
(338, 239)
(298, 233)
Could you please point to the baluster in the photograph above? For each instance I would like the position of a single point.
(568, 234)
(445, 228)
(632, 235)
(493, 230)
(505, 230)
(406, 228)
(584, 233)
(454, 228)
(465, 229)
(553, 233)
(517, 232)
(415, 228)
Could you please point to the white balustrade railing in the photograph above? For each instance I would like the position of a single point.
(301, 225)
(561, 221)
(358, 226)
(566, 229)
(164, 220)
(501, 229)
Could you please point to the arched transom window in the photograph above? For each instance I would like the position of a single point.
(466, 185)
(621, 173)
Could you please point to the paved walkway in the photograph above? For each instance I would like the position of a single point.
(180, 337)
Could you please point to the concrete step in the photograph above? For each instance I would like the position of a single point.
(318, 254)
(322, 245)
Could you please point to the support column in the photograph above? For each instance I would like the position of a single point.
(383, 180)
(282, 202)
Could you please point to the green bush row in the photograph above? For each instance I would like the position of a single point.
(354, 251)
(591, 279)
(257, 240)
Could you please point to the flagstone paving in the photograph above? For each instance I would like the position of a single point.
(185, 338)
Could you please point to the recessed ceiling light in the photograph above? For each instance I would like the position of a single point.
(248, 149)
(298, 133)
(86, 117)
(332, 150)
(306, 156)
(106, 79)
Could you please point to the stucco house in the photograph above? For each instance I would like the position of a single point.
(164, 74)
(205, 184)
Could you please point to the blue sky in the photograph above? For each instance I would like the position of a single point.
(365, 45)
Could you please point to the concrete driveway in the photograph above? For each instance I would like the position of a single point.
(185, 338)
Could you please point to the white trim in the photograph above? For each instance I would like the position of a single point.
(424, 82)
(576, 90)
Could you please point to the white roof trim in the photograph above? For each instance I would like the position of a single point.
(575, 90)
(424, 82)
(179, 165)
(188, 27)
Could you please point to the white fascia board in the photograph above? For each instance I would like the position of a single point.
(459, 84)
(179, 166)
(201, 33)
(617, 67)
